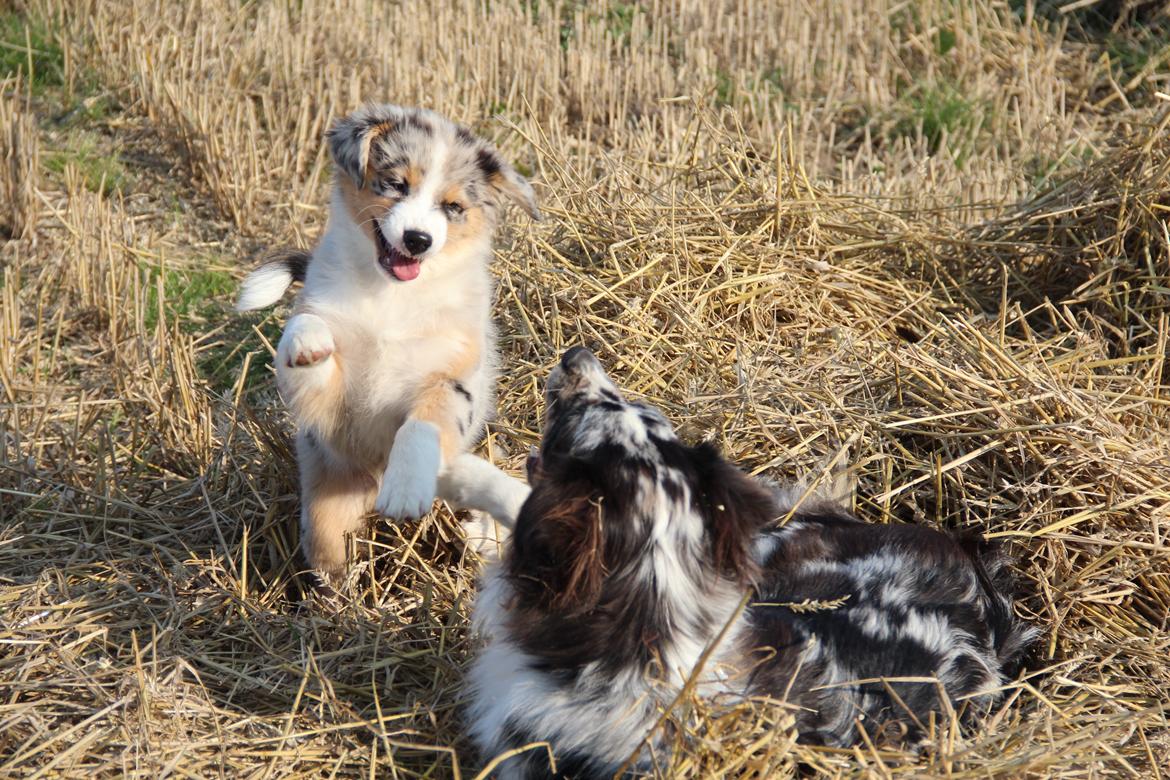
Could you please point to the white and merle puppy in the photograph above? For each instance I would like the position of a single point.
(389, 361)
(633, 553)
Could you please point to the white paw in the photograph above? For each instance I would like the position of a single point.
(306, 342)
(406, 494)
(412, 473)
(469, 482)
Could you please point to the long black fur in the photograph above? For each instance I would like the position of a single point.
(634, 550)
(295, 261)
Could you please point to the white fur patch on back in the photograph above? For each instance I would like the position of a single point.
(264, 286)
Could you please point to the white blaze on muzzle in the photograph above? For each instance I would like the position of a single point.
(420, 214)
(418, 211)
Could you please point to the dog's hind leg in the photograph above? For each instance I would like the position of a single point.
(334, 502)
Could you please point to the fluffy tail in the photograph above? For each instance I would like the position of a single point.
(267, 284)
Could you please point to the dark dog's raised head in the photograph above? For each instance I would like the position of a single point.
(621, 509)
(587, 417)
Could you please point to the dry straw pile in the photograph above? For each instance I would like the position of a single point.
(936, 228)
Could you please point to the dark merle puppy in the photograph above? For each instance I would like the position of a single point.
(634, 552)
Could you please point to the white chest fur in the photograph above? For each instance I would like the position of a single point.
(391, 336)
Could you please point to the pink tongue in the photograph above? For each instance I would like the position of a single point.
(405, 268)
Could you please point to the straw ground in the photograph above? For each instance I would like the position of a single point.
(936, 229)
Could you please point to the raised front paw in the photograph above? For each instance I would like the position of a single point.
(412, 473)
(306, 342)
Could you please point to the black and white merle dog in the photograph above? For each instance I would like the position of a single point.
(634, 553)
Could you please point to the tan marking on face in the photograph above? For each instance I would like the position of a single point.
(382, 128)
(364, 205)
(473, 228)
(413, 176)
(454, 194)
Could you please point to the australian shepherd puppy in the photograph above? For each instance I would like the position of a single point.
(635, 553)
(388, 363)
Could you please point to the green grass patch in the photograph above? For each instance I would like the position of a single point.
(1132, 38)
(28, 47)
(944, 41)
(619, 21)
(223, 359)
(938, 110)
(1091, 20)
(1143, 50)
(197, 301)
(767, 85)
(189, 296)
(101, 170)
(771, 79)
(1045, 170)
(909, 21)
(93, 109)
(618, 18)
(724, 88)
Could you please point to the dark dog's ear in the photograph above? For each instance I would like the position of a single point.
(350, 137)
(557, 556)
(505, 182)
(735, 508)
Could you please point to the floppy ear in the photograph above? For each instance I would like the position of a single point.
(557, 557)
(349, 141)
(735, 508)
(505, 182)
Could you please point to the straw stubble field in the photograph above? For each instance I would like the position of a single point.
(935, 230)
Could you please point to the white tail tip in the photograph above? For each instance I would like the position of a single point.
(264, 286)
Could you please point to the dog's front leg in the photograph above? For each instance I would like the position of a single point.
(473, 483)
(308, 373)
(432, 436)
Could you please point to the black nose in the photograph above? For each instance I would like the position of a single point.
(576, 358)
(416, 241)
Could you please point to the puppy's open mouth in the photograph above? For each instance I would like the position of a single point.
(401, 266)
